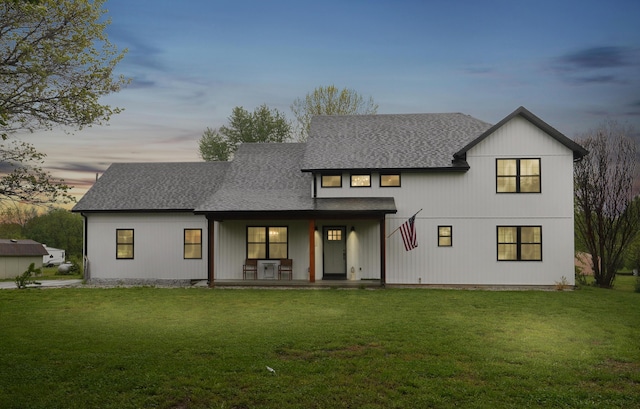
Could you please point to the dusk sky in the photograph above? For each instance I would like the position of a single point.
(574, 63)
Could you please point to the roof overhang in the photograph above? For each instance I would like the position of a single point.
(362, 208)
(457, 165)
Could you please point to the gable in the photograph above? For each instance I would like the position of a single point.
(524, 114)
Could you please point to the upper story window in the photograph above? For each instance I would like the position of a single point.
(363, 180)
(390, 180)
(331, 180)
(519, 243)
(124, 243)
(267, 242)
(518, 175)
(193, 243)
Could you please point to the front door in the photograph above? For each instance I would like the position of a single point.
(334, 243)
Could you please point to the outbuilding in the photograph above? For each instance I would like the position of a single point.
(17, 255)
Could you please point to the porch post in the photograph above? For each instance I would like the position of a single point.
(312, 251)
(210, 252)
(383, 252)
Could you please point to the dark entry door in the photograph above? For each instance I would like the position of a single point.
(334, 243)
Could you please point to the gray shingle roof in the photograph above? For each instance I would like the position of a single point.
(17, 248)
(263, 177)
(153, 186)
(266, 177)
(402, 141)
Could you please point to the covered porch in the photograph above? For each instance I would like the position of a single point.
(340, 245)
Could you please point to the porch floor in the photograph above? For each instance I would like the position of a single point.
(299, 283)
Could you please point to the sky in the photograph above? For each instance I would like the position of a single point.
(573, 63)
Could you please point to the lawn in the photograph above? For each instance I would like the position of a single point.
(400, 348)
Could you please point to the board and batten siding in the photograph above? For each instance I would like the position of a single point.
(158, 246)
(469, 203)
(231, 248)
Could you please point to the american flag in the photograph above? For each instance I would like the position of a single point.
(408, 231)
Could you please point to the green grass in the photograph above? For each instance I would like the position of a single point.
(411, 348)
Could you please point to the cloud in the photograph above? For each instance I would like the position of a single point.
(139, 83)
(141, 54)
(596, 57)
(596, 65)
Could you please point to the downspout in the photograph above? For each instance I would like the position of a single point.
(312, 250)
(383, 252)
(210, 252)
(85, 262)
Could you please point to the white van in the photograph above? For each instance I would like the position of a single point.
(54, 258)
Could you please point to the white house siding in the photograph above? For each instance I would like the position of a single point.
(468, 202)
(232, 247)
(158, 246)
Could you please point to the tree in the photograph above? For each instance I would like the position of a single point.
(263, 125)
(607, 218)
(13, 218)
(329, 101)
(27, 182)
(58, 228)
(55, 64)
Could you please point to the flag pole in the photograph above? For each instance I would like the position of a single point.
(398, 228)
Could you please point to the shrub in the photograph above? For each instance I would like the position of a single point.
(25, 279)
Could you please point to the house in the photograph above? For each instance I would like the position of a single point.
(493, 205)
(17, 255)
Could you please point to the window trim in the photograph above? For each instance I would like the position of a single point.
(132, 244)
(391, 174)
(266, 243)
(450, 236)
(518, 243)
(359, 174)
(185, 244)
(322, 185)
(518, 176)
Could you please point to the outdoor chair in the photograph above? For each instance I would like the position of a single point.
(250, 266)
(285, 267)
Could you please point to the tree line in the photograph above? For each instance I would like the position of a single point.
(58, 228)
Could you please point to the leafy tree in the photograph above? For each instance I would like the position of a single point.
(606, 218)
(58, 228)
(329, 101)
(263, 125)
(55, 64)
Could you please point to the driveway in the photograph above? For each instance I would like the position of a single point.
(6, 285)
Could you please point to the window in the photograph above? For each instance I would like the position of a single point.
(124, 243)
(518, 175)
(267, 242)
(331, 180)
(391, 180)
(192, 243)
(520, 243)
(334, 235)
(445, 236)
(360, 180)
